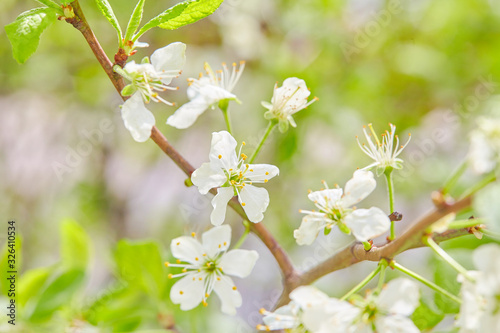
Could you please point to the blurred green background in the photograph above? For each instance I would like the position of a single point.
(95, 238)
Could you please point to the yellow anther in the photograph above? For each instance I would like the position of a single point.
(267, 173)
(234, 64)
(204, 254)
(218, 278)
(193, 234)
(220, 156)
(207, 295)
(208, 264)
(225, 243)
(265, 180)
(251, 170)
(200, 279)
(243, 143)
(243, 156)
(196, 259)
(243, 204)
(262, 310)
(178, 243)
(170, 276)
(181, 292)
(220, 246)
(166, 264)
(205, 303)
(178, 261)
(184, 270)
(234, 288)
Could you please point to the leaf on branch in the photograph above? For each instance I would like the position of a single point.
(24, 33)
(135, 20)
(51, 4)
(107, 11)
(182, 14)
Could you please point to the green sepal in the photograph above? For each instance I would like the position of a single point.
(283, 126)
(344, 228)
(145, 60)
(327, 230)
(128, 90)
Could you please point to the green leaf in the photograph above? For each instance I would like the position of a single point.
(24, 33)
(424, 318)
(107, 11)
(446, 277)
(74, 245)
(58, 293)
(135, 20)
(31, 283)
(51, 4)
(180, 15)
(140, 264)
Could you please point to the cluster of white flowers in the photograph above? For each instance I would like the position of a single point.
(312, 311)
(336, 209)
(479, 312)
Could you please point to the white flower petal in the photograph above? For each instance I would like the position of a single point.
(487, 260)
(187, 249)
(188, 292)
(187, 114)
(254, 201)
(343, 322)
(472, 308)
(283, 318)
(308, 296)
(395, 324)
(222, 151)
(169, 58)
(137, 118)
(316, 316)
(238, 262)
(219, 202)
(401, 296)
(230, 297)
(308, 231)
(261, 172)
(367, 224)
(206, 178)
(481, 155)
(216, 240)
(325, 198)
(358, 187)
(214, 94)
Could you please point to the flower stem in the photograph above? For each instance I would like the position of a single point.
(460, 224)
(425, 281)
(269, 129)
(452, 180)
(363, 283)
(390, 188)
(223, 105)
(491, 177)
(244, 236)
(491, 234)
(381, 279)
(446, 257)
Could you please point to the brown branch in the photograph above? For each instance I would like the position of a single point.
(80, 23)
(411, 238)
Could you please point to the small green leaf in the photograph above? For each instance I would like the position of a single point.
(58, 293)
(181, 14)
(140, 264)
(51, 4)
(135, 20)
(31, 283)
(107, 11)
(425, 318)
(128, 90)
(74, 245)
(24, 33)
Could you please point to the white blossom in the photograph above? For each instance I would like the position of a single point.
(335, 207)
(233, 176)
(387, 312)
(150, 78)
(384, 152)
(484, 148)
(286, 101)
(479, 311)
(207, 92)
(312, 311)
(206, 269)
(146, 79)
